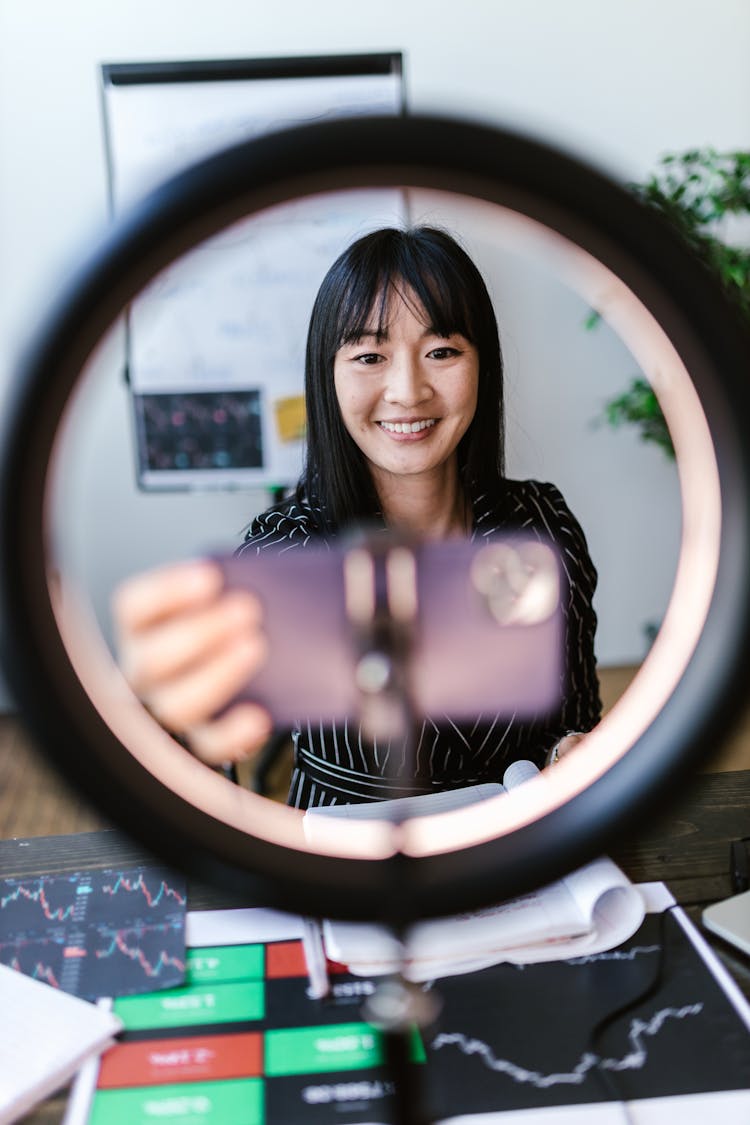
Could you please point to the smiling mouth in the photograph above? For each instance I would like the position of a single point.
(408, 427)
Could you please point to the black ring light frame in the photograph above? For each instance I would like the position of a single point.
(495, 166)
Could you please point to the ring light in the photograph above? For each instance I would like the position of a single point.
(686, 696)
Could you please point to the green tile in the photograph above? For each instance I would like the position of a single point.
(239, 1101)
(314, 1050)
(193, 1004)
(225, 962)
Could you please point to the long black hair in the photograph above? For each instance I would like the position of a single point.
(453, 297)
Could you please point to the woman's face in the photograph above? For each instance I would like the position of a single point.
(407, 398)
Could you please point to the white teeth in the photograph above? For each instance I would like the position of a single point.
(407, 427)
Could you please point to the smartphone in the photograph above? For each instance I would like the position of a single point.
(486, 632)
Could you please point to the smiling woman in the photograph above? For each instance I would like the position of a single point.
(404, 394)
(407, 395)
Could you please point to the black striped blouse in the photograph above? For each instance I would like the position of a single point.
(334, 764)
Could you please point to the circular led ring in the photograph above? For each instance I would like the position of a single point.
(499, 168)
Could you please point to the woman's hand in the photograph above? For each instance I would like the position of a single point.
(563, 747)
(187, 648)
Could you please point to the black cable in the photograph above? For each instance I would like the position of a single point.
(607, 1077)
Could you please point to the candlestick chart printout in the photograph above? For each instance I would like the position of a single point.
(96, 933)
(242, 1041)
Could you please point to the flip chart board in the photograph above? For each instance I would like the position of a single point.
(216, 341)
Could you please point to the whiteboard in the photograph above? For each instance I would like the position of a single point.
(216, 341)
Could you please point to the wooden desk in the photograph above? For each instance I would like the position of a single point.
(688, 849)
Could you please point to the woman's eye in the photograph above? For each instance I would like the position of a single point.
(368, 358)
(445, 352)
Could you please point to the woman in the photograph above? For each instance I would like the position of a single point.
(404, 396)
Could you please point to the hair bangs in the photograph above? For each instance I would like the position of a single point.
(364, 310)
(440, 304)
(422, 277)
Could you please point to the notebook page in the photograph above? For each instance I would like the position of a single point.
(45, 1035)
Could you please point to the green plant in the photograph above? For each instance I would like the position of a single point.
(639, 406)
(698, 192)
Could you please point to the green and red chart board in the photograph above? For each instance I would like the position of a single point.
(242, 1043)
(654, 1023)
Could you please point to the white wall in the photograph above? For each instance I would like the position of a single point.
(620, 83)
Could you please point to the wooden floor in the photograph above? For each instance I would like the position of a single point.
(35, 801)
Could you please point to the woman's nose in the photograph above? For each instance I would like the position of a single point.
(407, 383)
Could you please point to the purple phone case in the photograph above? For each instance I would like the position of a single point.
(464, 663)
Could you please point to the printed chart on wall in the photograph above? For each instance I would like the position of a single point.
(651, 1024)
(216, 341)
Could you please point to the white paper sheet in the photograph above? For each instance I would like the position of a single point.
(45, 1035)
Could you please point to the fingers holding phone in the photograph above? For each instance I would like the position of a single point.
(187, 648)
